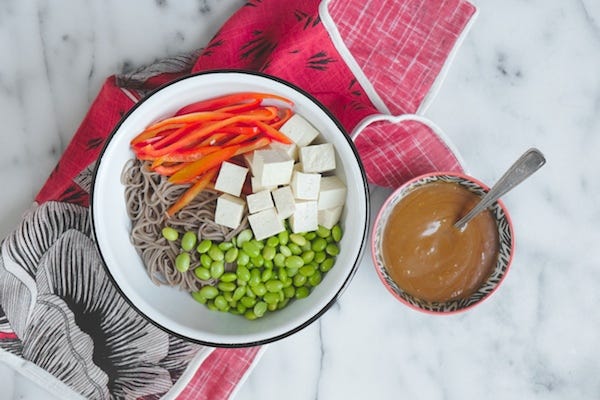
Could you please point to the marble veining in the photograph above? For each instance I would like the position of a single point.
(528, 74)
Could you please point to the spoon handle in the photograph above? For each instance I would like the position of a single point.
(527, 164)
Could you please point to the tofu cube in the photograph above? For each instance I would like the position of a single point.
(284, 201)
(290, 149)
(231, 178)
(299, 130)
(265, 223)
(248, 159)
(332, 192)
(257, 185)
(330, 216)
(273, 167)
(229, 211)
(305, 217)
(318, 158)
(259, 201)
(305, 186)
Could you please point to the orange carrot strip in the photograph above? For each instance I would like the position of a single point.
(273, 133)
(194, 190)
(197, 168)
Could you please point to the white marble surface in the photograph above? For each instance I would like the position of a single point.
(527, 75)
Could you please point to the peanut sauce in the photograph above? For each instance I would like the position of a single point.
(427, 256)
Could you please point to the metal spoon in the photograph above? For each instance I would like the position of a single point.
(527, 164)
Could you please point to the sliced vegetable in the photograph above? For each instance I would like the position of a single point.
(228, 99)
(197, 168)
(192, 192)
(273, 133)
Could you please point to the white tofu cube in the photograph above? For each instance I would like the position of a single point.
(290, 149)
(257, 185)
(259, 201)
(229, 211)
(305, 217)
(305, 186)
(265, 223)
(332, 192)
(272, 167)
(299, 130)
(231, 178)
(330, 216)
(284, 201)
(318, 158)
(248, 159)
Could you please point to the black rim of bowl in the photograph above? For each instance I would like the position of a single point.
(317, 314)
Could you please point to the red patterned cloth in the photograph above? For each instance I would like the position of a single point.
(364, 60)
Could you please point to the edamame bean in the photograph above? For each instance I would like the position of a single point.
(254, 277)
(273, 241)
(249, 292)
(315, 279)
(295, 249)
(320, 256)
(243, 237)
(332, 249)
(228, 277)
(282, 274)
(259, 289)
(211, 305)
(188, 241)
(269, 252)
(319, 244)
(170, 234)
(226, 286)
(204, 246)
(243, 258)
(250, 315)
(257, 261)
(327, 264)
(272, 307)
(283, 237)
(199, 298)
(205, 260)
(271, 298)
(241, 308)
(310, 236)
(238, 293)
(282, 304)
(307, 246)
(248, 301)
(216, 269)
(294, 262)
(289, 291)
(308, 256)
(307, 270)
(274, 285)
(323, 232)
(302, 292)
(209, 292)
(279, 260)
(260, 309)
(216, 253)
(268, 264)
(300, 280)
(258, 243)
(182, 262)
(229, 297)
(224, 246)
(336, 233)
(202, 273)
(298, 239)
(251, 249)
(266, 274)
(243, 273)
(231, 254)
(283, 249)
(221, 303)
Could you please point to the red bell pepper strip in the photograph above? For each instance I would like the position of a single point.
(186, 155)
(239, 107)
(194, 190)
(251, 146)
(197, 168)
(190, 118)
(215, 139)
(241, 130)
(273, 133)
(242, 138)
(228, 99)
(168, 170)
(282, 120)
(148, 134)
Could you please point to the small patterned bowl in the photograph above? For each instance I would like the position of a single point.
(505, 236)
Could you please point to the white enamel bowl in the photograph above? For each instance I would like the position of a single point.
(173, 310)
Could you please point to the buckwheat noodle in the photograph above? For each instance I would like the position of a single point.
(148, 195)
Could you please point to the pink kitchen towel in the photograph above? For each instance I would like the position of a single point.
(373, 63)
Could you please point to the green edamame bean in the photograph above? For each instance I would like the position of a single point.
(229, 297)
(243, 237)
(188, 241)
(248, 301)
(224, 246)
(295, 249)
(320, 256)
(282, 304)
(279, 260)
(221, 303)
(332, 249)
(203, 246)
(271, 298)
(272, 307)
(182, 262)
(319, 244)
(268, 264)
(266, 274)
(257, 261)
(243, 258)
(251, 249)
(243, 273)
(310, 236)
(199, 298)
(308, 256)
(307, 270)
(241, 308)
(269, 252)
(209, 292)
(300, 280)
(274, 285)
(315, 278)
(217, 268)
(323, 232)
(307, 246)
(216, 253)
(250, 315)
(285, 250)
(205, 260)
(228, 277)
(327, 264)
(231, 255)
(202, 273)
(170, 234)
(258, 243)
(283, 237)
(282, 274)
(259, 289)
(273, 241)
(336, 233)
(211, 305)
(238, 293)
(254, 277)
(298, 239)
(294, 262)
(302, 292)
(289, 292)
(260, 309)
(281, 295)
(291, 272)
(226, 286)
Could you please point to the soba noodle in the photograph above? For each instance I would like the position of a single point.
(148, 195)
